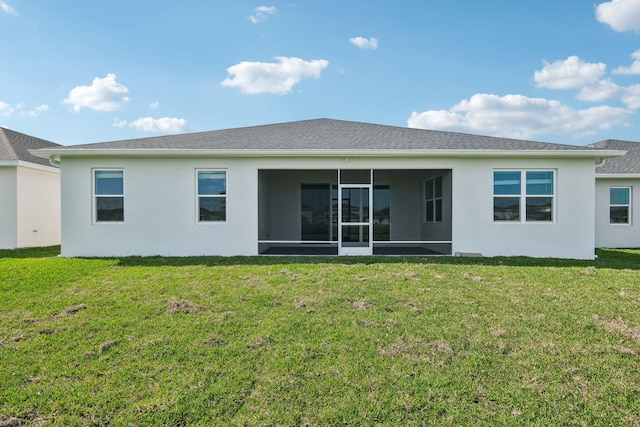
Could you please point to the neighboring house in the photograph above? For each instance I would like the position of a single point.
(29, 193)
(618, 197)
(327, 187)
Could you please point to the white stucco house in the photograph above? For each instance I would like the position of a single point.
(29, 193)
(328, 187)
(618, 197)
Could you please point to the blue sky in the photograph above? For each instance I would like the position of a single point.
(560, 71)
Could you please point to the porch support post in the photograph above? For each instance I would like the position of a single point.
(339, 213)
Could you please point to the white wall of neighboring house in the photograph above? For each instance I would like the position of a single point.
(160, 206)
(38, 206)
(609, 235)
(8, 207)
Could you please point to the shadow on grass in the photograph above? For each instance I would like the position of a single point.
(607, 258)
(43, 252)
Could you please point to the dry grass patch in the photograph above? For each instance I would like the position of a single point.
(71, 310)
(258, 342)
(176, 305)
(303, 303)
(106, 345)
(417, 349)
(361, 304)
(619, 326)
(413, 306)
(11, 421)
(224, 316)
(473, 277)
(499, 333)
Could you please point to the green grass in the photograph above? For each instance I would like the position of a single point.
(319, 341)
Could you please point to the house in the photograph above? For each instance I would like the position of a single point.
(327, 187)
(29, 193)
(618, 196)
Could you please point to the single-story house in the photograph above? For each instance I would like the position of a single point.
(617, 210)
(29, 193)
(328, 187)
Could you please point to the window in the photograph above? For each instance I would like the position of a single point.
(108, 191)
(381, 212)
(316, 211)
(523, 200)
(433, 199)
(619, 205)
(212, 196)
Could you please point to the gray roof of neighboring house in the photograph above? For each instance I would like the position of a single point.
(16, 146)
(325, 134)
(627, 164)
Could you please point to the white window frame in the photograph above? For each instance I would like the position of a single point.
(220, 196)
(628, 206)
(432, 182)
(523, 196)
(94, 196)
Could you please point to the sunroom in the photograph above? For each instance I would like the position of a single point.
(354, 212)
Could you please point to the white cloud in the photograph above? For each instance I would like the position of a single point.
(164, 124)
(119, 123)
(569, 74)
(363, 43)
(155, 104)
(631, 97)
(5, 109)
(518, 116)
(8, 110)
(6, 8)
(278, 78)
(600, 91)
(43, 108)
(262, 13)
(103, 95)
(634, 68)
(621, 15)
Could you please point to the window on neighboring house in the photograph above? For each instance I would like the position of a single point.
(212, 195)
(108, 195)
(433, 199)
(523, 196)
(620, 205)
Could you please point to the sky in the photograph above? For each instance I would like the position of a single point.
(77, 71)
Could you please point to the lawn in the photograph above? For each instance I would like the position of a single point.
(319, 341)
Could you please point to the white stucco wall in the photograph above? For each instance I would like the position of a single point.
(8, 209)
(569, 236)
(160, 210)
(617, 235)
(160, 206)
(38, 206)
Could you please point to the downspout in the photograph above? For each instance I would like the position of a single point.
(600, 161)
(53, 162)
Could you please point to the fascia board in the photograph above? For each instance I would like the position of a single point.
(70, 152)
(28, 165)
(617, 175)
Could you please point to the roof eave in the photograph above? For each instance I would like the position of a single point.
(618, 175)
(29, 165)
(56, 153)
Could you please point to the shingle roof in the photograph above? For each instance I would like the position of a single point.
(16, 146)
(326, 134)
(627, 164)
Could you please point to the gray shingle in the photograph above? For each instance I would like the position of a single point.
(16, 146)
(327, 134)
(627, 164)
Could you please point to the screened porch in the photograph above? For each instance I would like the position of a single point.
(354, 212)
